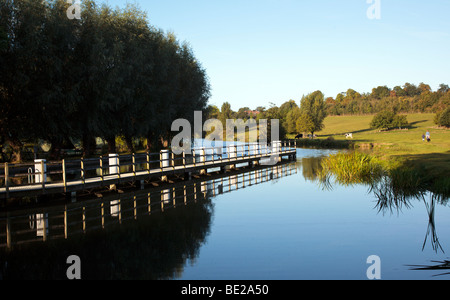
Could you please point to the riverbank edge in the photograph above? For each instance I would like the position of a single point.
(421, 173)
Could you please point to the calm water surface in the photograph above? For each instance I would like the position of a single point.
(288, 227)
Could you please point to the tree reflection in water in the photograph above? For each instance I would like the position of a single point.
(393, 193)
(154, 245)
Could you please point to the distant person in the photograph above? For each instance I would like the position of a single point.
(423, 137)
(428, 136)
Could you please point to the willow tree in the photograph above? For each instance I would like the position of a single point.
(20, 70)
(110, 74)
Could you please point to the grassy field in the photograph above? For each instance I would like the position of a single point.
(401, 146)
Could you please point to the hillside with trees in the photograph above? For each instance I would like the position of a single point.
(308, 115)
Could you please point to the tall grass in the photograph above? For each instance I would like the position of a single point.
(393, 180)
(351, 168)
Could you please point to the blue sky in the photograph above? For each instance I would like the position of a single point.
(258, 52)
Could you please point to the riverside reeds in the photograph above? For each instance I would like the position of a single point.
(399, 178)
(352, 168)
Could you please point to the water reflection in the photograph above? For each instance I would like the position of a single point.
(390, 197)
(146, 234)
(436, 266)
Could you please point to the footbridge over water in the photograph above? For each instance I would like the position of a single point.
(71, 176)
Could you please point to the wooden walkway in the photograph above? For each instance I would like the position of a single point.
(66, 177)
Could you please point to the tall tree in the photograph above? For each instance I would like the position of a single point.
(291, 120)
(313, 105)
(443, 88)
(380, 92)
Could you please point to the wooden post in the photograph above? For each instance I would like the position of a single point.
(120, 212)
(174, 198)
(84, 219)
(133, 160)
(135, 207)
(162, 201)
(65, 222)
(64, 175)
(118, 167)
(149, 203)
(8, 232)
(103, 215)
(195, 192)
(165, 162)
(82, 171)
(173, 161)
(101, 168)
(148, 162)
(44, 226)
(203, 160)
(43, 175)
(7, 179)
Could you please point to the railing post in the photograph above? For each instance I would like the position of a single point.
(84, 219)
(113, 164)
(133, 160)
(118, 167)
(64, 175)
(232, 154)
(65, 223)
(8, 232)
(44, 227)
(101, 168)
(7, 179)
(43, 176)
(149, 201)
(203, 159)
(173, 161)
(103, 214)
(135, 207)
(40, 170)
(148, 162)
(83, 179)
(165, 162)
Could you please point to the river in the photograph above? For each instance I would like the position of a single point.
(256, 224)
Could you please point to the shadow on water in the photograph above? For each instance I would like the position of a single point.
(145, 234)
(147, 245)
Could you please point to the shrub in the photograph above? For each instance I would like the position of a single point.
(443, 118)
(387, 120)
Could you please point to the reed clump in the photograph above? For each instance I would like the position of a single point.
(352, 168)
(399, 177)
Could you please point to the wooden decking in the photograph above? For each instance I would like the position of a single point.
(139, 169)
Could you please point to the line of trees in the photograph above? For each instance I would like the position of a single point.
(408, 98)
(308, 117)
(108, 75)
